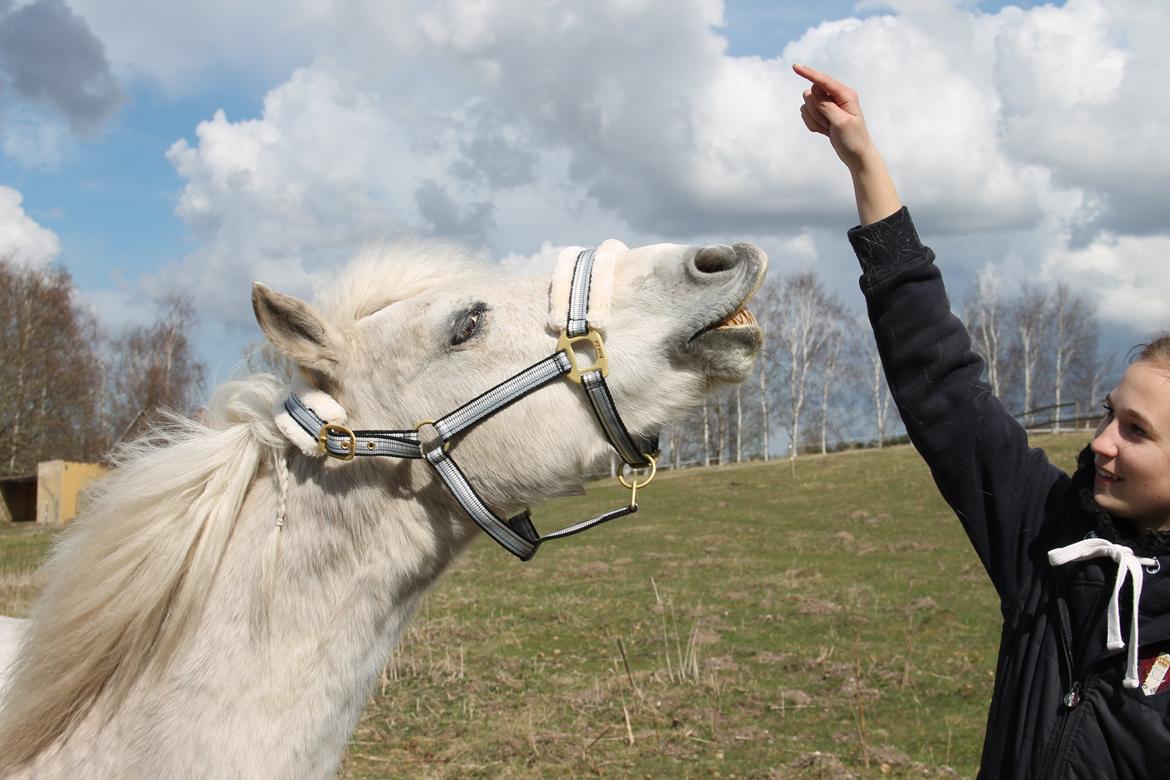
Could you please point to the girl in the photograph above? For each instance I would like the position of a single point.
(1081, 563)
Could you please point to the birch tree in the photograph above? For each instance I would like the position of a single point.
(1029, 316)
(1072, 322)
(984, 316)
(830, 373)
(879, 392)
(739, 423)
(805, 322)
(765, 420)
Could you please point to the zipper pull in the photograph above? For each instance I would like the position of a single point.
(1073, 697)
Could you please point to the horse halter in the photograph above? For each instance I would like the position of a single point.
(430, 439)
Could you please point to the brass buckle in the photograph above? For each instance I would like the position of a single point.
(350, 445)
(633, 486)
(565, 344)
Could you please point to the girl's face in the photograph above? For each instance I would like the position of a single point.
(1132, 448)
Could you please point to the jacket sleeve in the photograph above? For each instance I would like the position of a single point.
(976, 451)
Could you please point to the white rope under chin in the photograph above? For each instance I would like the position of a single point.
(1128, 565)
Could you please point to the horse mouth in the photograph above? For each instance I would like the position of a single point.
(727, 336)
(726, 349)
(740, 318)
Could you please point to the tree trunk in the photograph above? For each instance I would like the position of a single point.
(738, 424)
(764, 409)
(706, 436)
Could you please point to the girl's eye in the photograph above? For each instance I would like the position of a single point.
(1107, 407)
(469, 323)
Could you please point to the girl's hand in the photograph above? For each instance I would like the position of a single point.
(832, 109)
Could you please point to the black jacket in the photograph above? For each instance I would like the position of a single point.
(1059, 709)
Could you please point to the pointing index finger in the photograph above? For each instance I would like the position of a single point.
(826, 82)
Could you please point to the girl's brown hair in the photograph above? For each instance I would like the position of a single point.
(1156, 352)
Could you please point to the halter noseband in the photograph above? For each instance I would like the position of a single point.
(430, 439)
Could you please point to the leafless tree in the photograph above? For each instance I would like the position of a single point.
(1030, 316)
(1102, 372)
(155, 367)
(706, 435)
(49, 370)
(739, 423)
(984, 316)
(807, 314)
(879, 392)
(765, 420)
(830, 369)
(1073, 328)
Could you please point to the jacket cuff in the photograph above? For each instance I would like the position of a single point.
(885, 246)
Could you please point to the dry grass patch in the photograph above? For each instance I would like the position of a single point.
(747, 623)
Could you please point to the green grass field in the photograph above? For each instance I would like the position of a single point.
(748, 623)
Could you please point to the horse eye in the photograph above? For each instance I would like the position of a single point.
(468, 325)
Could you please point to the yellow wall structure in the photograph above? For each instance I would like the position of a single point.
(60, 486)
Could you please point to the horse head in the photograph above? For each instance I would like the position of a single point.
(398, 345)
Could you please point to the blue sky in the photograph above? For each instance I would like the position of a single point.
(1004, 165)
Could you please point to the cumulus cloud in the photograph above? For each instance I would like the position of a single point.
(1076, 84)
(282, 197)
(1129, 277)
(49, 55)
(22, 240)
(514, 126)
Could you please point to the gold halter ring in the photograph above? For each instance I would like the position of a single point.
(633, 486)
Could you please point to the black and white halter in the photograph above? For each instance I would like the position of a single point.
(430, 439)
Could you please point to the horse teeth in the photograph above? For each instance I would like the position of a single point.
(738, 317)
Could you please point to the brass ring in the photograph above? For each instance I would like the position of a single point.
(445, 445)
(636, 484)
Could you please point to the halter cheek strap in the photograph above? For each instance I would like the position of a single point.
(577, 328)
(305, 423)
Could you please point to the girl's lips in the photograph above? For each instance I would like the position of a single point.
(1105, 478)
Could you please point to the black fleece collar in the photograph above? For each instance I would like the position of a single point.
(1145, 543)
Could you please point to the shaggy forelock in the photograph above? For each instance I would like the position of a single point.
(385, 273)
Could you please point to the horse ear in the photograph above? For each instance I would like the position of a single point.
(296, 330)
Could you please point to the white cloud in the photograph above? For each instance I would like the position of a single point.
(182, 46)
(1127, 277)
(518, 126)
(544, 260)
(22, 240)
(1080, 86)
(279, 198)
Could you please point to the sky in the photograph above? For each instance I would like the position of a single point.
(191, 148)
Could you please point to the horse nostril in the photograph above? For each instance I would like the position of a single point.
(713, 259)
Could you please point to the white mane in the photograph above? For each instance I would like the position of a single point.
(129, 577)
(381, 274)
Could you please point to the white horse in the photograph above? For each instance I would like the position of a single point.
(225, 604)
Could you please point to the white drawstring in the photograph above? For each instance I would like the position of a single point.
(1128, 564)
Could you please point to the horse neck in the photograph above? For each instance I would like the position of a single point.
(302, 618)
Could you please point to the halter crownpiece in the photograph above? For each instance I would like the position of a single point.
(314, 422)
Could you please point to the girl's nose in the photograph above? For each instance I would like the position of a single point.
(1105, 442)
